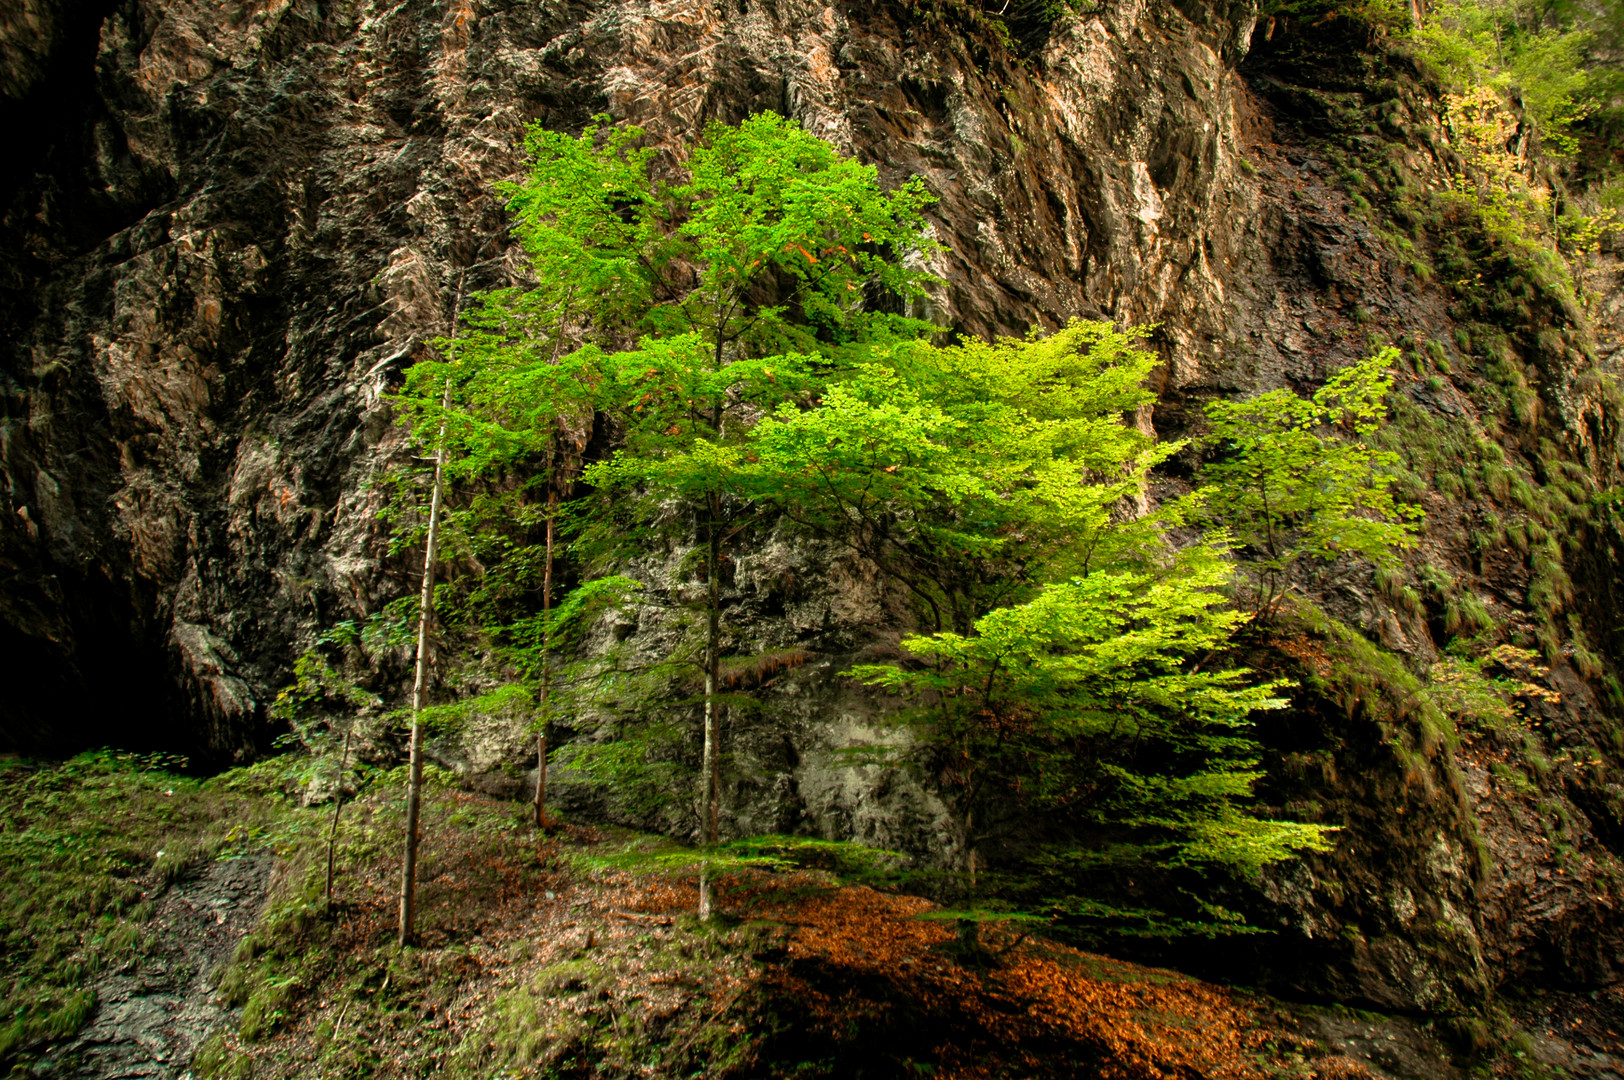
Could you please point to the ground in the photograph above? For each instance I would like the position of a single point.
(575, 953)
(153, 1014)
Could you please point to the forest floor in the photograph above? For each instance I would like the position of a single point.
(153, 1013)
(540, 955)
(560, 955)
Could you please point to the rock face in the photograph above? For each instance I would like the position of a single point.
(229, 225)
(252, 215)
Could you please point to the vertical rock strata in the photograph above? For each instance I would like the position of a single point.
(229, 225)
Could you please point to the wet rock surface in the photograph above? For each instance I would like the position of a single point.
(1579, 1033)
(1389, 1046)
(152, 1014)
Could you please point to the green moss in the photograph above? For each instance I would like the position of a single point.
(214, 1060)
(1550, 589)
(1466, 615)
(1496, 479)
(85, 846)
(1364, 676)
(1514, 779)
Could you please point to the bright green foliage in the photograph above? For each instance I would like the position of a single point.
(1541, 52)
(771, 263)
(1289, 487)
(526, 360)
(784, 247)
(791, 241)
(1080, 709)
(1001, 483)
(591, 220)
(1558, 58)
(679, 312)
(971, 473)
(514, 392)
(780, 252)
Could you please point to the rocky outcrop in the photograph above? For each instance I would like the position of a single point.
(260, 213)
(229, 225)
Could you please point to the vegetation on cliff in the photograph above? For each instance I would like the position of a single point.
(1073, 669)
(735, 334)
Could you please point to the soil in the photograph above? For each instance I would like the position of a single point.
(153, 1013)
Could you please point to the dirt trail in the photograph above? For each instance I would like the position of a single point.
(152, 1014)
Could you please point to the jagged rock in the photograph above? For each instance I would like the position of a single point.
(229, 225)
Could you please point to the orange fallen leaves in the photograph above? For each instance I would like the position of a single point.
(1036, 1008)
(800, 970)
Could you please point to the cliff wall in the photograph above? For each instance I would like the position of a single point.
(229, 225)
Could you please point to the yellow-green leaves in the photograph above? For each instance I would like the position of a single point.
(1297, 480)
(972, 473)
(1083, 707)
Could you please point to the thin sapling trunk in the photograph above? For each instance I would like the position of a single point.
(425, 615)
(547, 592)
(425, 612)
(546, 666)
(711, 781)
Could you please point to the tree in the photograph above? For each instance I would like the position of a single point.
(1079, 714)
(425, 614)
(522, 380)
(770, 264)
(1289, 488)
(769, 277)
(323, 707)
(1002, 485)
(973, 473)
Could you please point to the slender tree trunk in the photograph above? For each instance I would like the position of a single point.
(546, 664)
(338, 803)
(969, 847)
(712, 767)
(969, 930)
(425, 615)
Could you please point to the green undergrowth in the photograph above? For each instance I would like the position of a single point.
(527, 945)
(1522, 514)
(1479, 699)
(87, 848)
(570, 1017)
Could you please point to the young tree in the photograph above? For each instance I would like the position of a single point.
(323, 706)
(1079, 712)
(425, 614)
(1001, 484)
(524, 378)
(1288, 487)
(769, 277)
(771, 263)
